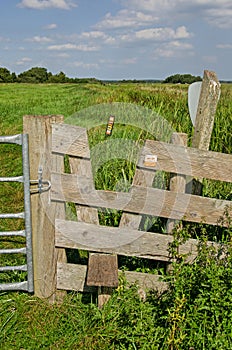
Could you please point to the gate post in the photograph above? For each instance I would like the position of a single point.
(43, 211)
(209, 97)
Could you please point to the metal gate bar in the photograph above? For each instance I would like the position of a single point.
(21, 139)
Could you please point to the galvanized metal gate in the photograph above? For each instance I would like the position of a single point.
(26, 285)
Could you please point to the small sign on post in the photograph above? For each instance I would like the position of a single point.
(110, 125)
(194, 92)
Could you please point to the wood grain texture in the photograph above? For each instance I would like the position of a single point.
(121, 241)
(140, 200)
(83, 168)
(70, 140)
(209, 96)
(87, 214)
(206, 111)
(43, 211)
(102, 270)
(188, 161)
(73, 277)
(177, 182)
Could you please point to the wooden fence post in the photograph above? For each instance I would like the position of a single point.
(209, 96)
(43, 211)
(177, 184)
(177, 181)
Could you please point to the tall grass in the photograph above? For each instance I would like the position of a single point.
(195, 313)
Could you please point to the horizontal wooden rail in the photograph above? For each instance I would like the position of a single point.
(122, 241)
(188, 161)
(140, 200)
(73, 277)
(71, 140)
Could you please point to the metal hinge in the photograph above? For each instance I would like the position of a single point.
(43, 185)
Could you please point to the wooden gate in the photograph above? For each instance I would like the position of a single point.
(52, 272)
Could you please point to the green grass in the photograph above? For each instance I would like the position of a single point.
(196, 311)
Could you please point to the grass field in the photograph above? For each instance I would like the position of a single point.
(196, 311)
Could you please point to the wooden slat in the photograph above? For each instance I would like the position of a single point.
(87, 214)
(140, 200)
(188, 161)
(102, 270)
(70, 140)
(73, 140)
(121, 241)
(177, 182)
(83, 168)
(73, 276)
(144, 178)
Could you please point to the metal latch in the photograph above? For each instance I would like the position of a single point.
(43, 185)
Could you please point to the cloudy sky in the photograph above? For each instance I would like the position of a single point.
(117, 39)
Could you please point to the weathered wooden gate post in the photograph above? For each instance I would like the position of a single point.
(209, 96)
(45, 255)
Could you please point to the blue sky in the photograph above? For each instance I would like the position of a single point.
(117, 39)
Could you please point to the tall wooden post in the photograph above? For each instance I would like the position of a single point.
(209, 96)
(43, 211)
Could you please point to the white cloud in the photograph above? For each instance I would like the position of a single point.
(23, 61)
(216, 12)
(125, 19)
(85, 65)
(221, 18)
(63, 55)
(39, 39)
(157, 34)
(152, 5)
(129, 61)
(96, 36)
(174, 49)
(93, 35)
(224, 46)
(69, 46)
(51, 26)
(180, 45)
(2, 39)
(44, 4)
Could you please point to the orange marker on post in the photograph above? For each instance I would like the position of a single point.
(110, 125)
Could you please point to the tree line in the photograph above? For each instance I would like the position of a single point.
(181, 79)
(40, 75)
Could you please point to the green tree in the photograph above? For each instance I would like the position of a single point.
(34, 75)
(58, 78)
(5, 75)
(14, 77)
(181, 79)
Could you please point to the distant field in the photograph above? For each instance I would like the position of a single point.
(168, 101)
(180, 319)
